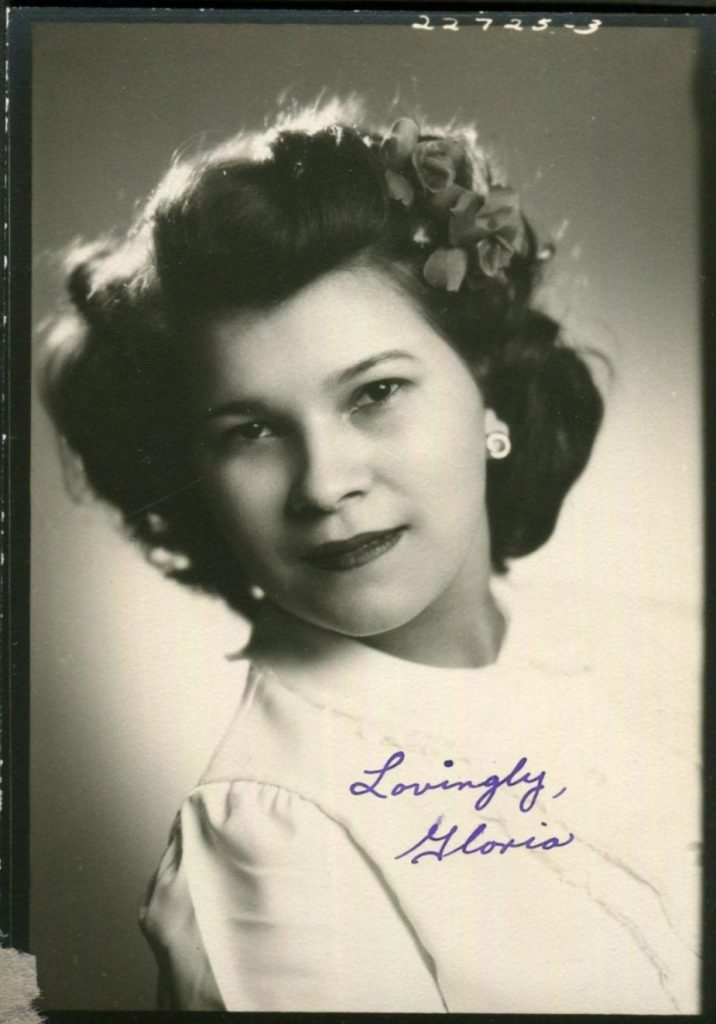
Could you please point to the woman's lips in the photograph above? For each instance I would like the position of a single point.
(338, 556)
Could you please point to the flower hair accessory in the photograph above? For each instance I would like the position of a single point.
(485, 229)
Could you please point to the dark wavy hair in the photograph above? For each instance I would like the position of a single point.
(244, 226)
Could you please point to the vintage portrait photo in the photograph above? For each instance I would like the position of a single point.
(366, 489)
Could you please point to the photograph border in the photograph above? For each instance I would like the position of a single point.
(15, 380)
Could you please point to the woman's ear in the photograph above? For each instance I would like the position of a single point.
(497, 436)
(494, 423)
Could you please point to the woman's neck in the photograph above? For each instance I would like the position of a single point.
(457, 634)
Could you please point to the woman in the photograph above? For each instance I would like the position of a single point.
(326, 396)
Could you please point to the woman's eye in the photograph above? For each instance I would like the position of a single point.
(379, 392)
(253, 431)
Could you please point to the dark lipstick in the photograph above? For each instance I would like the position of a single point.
(339, 556)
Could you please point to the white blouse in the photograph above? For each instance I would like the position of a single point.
(314, 868)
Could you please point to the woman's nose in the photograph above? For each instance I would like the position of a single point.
(332, 468)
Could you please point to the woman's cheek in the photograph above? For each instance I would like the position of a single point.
(236, 501)
(252, 505)
(447, 449)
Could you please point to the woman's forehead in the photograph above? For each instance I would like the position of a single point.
(342, 319)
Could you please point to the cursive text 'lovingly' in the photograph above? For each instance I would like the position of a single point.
(489, 786)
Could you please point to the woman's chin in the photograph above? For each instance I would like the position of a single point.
(362, 620)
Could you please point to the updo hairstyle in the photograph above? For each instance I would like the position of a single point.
(244, 226)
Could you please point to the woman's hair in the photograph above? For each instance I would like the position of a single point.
(246, 225)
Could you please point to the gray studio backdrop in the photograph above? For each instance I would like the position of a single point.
(130, 686)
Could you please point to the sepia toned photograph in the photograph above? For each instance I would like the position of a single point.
(366, 571)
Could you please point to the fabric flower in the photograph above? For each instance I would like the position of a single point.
(401, 142)
(445, 198)
(494, 256)
(437, 161)
(485, 229)
(446, 268)
(473, 218)
(463, 218)
(494, 223)
(399, 187)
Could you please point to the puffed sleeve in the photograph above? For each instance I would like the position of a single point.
(265, 903)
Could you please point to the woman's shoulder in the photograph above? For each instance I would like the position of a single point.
(259, 818)
(238, 822)
(266, 732)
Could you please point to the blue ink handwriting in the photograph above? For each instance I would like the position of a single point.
(475, 843)
(517, 776)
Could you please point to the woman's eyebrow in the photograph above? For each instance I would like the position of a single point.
(236, 407)
(367, 364)
(255, 407)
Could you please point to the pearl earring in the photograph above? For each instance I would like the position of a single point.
(498, 444)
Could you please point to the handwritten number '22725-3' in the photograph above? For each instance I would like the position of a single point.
(451, 24)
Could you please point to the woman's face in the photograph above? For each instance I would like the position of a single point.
(341, 445)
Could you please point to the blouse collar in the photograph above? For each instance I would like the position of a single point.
(347, 675)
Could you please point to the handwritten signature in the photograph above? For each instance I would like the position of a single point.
(441, 842)
(490, 785)
(445, 843)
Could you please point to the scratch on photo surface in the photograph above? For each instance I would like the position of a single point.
(165, 497)
(621, 866)
(623, 919)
